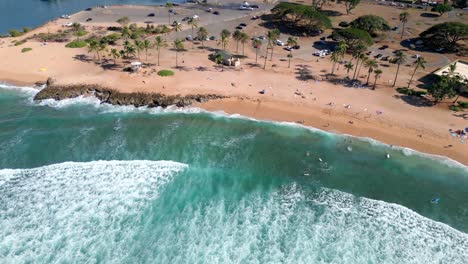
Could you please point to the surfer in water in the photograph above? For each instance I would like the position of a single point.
(435, 200)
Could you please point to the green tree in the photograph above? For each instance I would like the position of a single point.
(442, 9)
(301, 17)
(377, 74)
(350, 5)
(349, 67)
(256, 44)
(165, 30)
(335, 57)
(76, 28)
(358, 54)
(159, 44)
(370, 23)
(363, 58)
(400, 58)
(177, 27)
(441, 89)
(244, 38)
(225, 34)
(122, 54)
(138, 46)
(274, 35)
(420, 62)
(404, 16)
(146, 45)
(178, 47)
(115, 55)
(202, 34)
(292, 41)
(445, 35)
(371, 65)
(169, 10)
(123, 21)
(218, 59)
(354, 37)
(237, 37)
(126, 33)
(93, 47)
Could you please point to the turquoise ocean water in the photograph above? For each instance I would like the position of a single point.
(87, 183)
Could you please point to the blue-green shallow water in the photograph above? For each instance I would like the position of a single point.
(153, 186)
(32, 13)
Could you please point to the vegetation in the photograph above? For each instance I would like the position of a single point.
(165, 73)
(445, 35)
(159, 44)
(237, 37)
(338, 54)
(301, 17)
(377, 74)
(420, 62)
(441, 89)
(442, 9)
(178, 47)
(76, 44)
(400, 58)
(271, 37)
(371, 65)
(123, 21)
(370, 23)
(353, 37)
(202, 34)
(411, 92)
(349, 67)
(291, 42)
(404, 16)
(225, 34)
(350, 5)
(343, 24)
(256, 44)
(21, 42)
(23, 50)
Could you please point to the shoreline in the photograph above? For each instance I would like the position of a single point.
(332, 121)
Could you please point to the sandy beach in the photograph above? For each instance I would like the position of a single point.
(381, 114)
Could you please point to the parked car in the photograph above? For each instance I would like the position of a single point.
(243, 24)
(151, 15)
(195, 17)
(209, 10)
(439, 49)
(255, 18)
(89, 9)
(243, 7)
(185, 18)
(239, 27)
(296, 47)
(88, 19)
(216, 13)
(378, 56)
(254, 6)
(385, 58)
(262, 37)
(279, 42)
(212, 38)
(395, 28)
(383, 47)
(189, 38)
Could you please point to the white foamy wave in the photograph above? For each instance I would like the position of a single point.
(76, 212)
(81, 100)
(26, 90)
(291, 226)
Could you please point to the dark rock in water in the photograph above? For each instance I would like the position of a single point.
(110, 96)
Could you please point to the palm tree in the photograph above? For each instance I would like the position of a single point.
(115, 54)
(176, 26)
(243, 39)
(357, 54)
(93, 47)
(126, 33)
(256, 44)
(122, 54)
(348, 66)
(335, 57)
(225, 34)
(342, 47)
(403, 19)
(169, 11)
(76, 28)
(165, 30)
(363, 59)
(291, 42)
(193, 24)
(202, 34)
(400, 57)
(218, 58)
(129, 49)
(102, 46)
(377, 74)
(139, 47)
(159, 44)
(275, 34)
(178, 46)
(237, 37)
(146, 44)
(370, 65)
(420, 62)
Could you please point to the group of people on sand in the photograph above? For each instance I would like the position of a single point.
(459, 133)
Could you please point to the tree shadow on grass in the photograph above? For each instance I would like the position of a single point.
(304, 72)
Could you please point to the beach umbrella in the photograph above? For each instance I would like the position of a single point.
(466, 129)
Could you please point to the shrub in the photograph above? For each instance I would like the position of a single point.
(76, 44)
(463, 105)
(26, 50)
(80, 33)
(410, 92)
(455, 108)
(14, 33)
(165, 73)
(343, 24)
(26, 29)
(21, 42)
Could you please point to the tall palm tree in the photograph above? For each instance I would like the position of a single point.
(76, 28)
(275, 34)
(202, 34)
(177, 27)
(348, 66)
(420, 62)
(243, 39)
(291, 42)
(169, 6)
(377, 74)
(341, 48)
(335, 57)
(146, 44)
(357, 54)
(363, 58)
(159, 44)
(115, 54)
(138, 46)
(122, 54)
(400, 58)
(178, 46)
(193, 24)
(370, 65)
(237, 37)
(126, 33)
(225, 34)
(165, 30)
(93, 47)
(256, 44)
(403, 19)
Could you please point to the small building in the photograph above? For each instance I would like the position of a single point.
(135, 66)
(228, 58)
(460, 69)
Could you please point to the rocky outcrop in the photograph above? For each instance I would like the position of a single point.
(110, 96)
